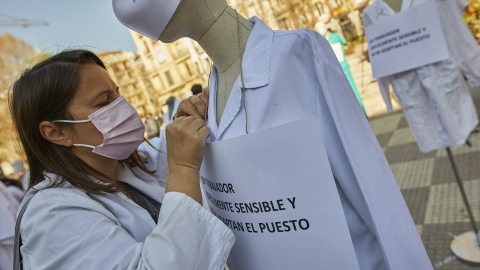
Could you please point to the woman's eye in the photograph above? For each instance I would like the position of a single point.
(105, 103)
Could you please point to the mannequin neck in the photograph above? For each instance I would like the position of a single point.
(220, 42)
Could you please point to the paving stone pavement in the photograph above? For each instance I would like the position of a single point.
(428, 185)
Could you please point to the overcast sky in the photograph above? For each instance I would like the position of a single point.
(88, 24)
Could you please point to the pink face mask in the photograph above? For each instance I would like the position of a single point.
(121, 126)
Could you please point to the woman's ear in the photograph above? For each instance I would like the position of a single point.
(56, 134)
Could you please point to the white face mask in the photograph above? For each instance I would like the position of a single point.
(147, 17)
(121, 126)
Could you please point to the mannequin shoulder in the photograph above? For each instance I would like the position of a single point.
(305, 42)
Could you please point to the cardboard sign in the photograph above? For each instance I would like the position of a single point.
(279, 198)
(407, 40)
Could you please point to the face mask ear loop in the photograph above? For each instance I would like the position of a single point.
(70, 121)
(84, 145)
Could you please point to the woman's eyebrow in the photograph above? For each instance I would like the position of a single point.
(101, 94)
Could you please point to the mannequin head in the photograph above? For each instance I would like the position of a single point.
(192, 19)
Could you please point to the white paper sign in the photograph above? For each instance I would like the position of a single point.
(406, 40)
(275, 190)
(337, 49)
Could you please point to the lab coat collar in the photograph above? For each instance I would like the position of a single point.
(256, 74)
(142, 181)
(256, 60)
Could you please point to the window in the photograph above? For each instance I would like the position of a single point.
(180, 49)
(147, 49)
(188, 69)
(157, 83)
(335, 3)
(161, 56)
(169, 78)
(319, 7)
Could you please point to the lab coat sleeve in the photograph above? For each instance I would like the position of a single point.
(65, 229)
(384, 85)
(8, 207)
(463, 48)
(7, 227)
(361, 169)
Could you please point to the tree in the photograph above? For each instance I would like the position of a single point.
(15, 56)
(472, 18)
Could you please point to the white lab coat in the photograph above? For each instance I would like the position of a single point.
(436, 98)
(63, 228)
(293, 75)
(8, 207)
(16, 193)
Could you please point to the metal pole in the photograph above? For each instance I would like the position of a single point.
(464, 195)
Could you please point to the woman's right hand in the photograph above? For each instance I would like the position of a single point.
(185, 143)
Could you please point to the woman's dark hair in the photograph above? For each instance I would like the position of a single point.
(42, 93)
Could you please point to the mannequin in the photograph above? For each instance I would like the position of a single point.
(290, 76)
(217, 35)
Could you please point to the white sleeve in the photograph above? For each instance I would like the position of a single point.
(384, 85)
(65, 229)
(8, 206)
(363, 173)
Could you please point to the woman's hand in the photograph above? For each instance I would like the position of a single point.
(185, 142)
(196, 106)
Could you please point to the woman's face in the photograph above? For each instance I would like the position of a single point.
(96, 89)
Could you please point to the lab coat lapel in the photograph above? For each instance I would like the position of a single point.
(256, 74)
(212, 102)
(148, 184)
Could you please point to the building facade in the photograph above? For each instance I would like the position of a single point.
(342, 16)
(171, 68)
(124, 69)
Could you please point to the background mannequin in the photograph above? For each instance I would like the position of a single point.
(396, 5)
(217, 34)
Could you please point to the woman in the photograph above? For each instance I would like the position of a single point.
(99, 209)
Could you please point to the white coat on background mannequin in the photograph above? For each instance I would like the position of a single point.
(436, 98)
(293, 75)
(8, 207)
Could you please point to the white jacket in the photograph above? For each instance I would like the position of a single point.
(63, 228)
(294, 75)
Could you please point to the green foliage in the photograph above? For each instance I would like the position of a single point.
(14, 58)
(472, 18)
